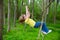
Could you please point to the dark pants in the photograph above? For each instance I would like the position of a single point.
(44, 27)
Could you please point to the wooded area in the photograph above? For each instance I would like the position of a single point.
(12, 29)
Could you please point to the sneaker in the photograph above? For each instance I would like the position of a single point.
(47, 32)
(44, 32)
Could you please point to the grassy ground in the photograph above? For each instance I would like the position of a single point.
(21, 33)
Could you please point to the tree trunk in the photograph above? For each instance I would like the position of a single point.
(8, 29)
(47, 2)
(17, 11)
(15, 8)
(21, 7)
(29, 1)
(32, 8)
(47, 10)
(4, 12)
(43, 7)
(55, 11)
(1, 19)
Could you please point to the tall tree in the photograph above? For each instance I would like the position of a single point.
(4, 11)
(47, 10)
(17, 11)
(8, 29)
(43, 6)
(1, 19)
(29, 1)
(15, 8)
(55, 11)
(32, 8)
(21, 7)
(47, 2)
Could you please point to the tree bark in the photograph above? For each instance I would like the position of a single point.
(29, 1)
(43, 7)
(47, 10)
(32, 8)
(21, 7)
(55, 12)
(15, 11)
(8, 29)
(4, 12)
(45, 4)
(1, 19)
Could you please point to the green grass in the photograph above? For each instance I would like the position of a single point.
(21, 33)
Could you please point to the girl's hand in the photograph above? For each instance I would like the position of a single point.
(27, 12)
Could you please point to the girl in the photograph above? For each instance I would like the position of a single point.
(26, 18)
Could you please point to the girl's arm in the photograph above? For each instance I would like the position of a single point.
(27, 12)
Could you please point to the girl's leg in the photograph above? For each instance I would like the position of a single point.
(44, 28)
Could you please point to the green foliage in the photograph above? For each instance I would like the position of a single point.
(21, 33)
(37, 9)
